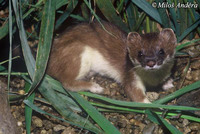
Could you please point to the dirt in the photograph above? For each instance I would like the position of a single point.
(8, 124)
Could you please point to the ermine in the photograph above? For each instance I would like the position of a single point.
(136, 61)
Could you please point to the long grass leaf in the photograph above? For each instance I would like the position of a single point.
(194, 15)
(10, 40)
(179, 47)
(174, 18)
(147, 24)
(2, 68)
(96, 116)
(183, 19)
(28, 110)
(120, 6)
(159, 120)
(170, 127)
(95, 15)
(121, 109)
(148, 9)
(109, 12)
(37, 109)
(60, 3)
(135, 104)
(37, 5)
(78, 17)
(130, 16)
(163, 15)
(29, 60)
(188, 30)
(45, 40)
(152, 116)
(4, 30)
(72, 4)
(178, 93)
(140, 21)
(63, 107)
(85, 12)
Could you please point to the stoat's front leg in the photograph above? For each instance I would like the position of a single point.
(134, 88)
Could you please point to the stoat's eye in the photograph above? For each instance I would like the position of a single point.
(140, 54)
(161, 52)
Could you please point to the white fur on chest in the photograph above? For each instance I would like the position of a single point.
(93, 60)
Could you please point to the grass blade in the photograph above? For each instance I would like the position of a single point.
(188, 30)
(60, 3)
(109, 12)
(159, 120)
(118, 109)
(179, 47)
(163, 15)
(148, 9)
(174, 18)
(10, 40)
(45, 40)
(178, 93)
(78, 17)
(37, 109)
(96, 116)
(170, 127)
(136, 104)
(28, 110)
(4, 30)
(130, 16)
(63, 107)
(37, 5)
(152, 116)
(72, 4)
(140, 21)
(28, 57)
(147, 30)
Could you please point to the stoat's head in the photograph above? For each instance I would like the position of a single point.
(151, 50)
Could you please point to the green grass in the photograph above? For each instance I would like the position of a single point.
(134, 15)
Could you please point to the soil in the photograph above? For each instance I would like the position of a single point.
(8, 124)
(126, 123)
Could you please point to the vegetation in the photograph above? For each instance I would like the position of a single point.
(46, 16)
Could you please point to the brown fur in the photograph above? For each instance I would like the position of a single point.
(64, 61)
(136, 94)
(65, 58)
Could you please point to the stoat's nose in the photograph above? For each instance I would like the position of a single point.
(151, 63)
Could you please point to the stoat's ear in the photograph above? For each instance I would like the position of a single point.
(133, 37)
(169, 36)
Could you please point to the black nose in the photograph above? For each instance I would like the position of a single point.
(151, 63)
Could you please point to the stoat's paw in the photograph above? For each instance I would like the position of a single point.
(146, 101)
(95, 88)
(169, 84)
